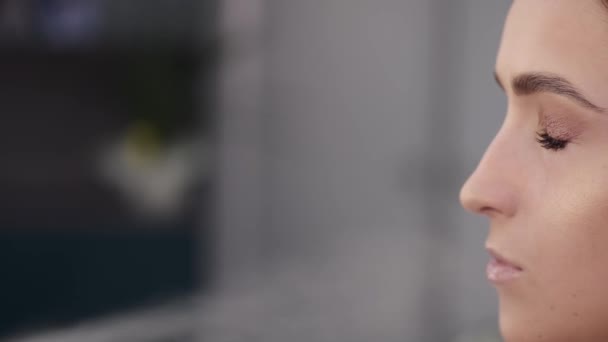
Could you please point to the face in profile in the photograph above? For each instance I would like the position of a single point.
(543, 181)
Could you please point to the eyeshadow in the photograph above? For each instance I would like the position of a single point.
(561, 126)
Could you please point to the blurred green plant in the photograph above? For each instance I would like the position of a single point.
(159, 92)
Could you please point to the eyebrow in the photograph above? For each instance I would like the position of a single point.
(537, 82)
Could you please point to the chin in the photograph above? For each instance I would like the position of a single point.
(518, 324)
(518, 329)
(513, 329)
(528, 324)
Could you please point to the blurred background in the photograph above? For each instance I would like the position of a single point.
(244, 170)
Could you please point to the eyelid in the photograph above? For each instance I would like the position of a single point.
(560, 126)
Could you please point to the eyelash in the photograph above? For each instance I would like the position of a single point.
(550, 143)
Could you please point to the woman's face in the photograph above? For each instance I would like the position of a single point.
(543, 181)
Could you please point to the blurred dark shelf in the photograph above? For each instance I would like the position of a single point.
(91, 205)
(105, 52)
(60, 107)
(53, 279)
(71, 246)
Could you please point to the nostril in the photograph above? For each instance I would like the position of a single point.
(486, 210)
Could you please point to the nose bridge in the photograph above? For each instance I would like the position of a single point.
(494, 160)
(491, 188)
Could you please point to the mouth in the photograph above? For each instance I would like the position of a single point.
(501, 270)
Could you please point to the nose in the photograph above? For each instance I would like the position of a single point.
(491, 189)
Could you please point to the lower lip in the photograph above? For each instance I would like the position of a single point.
(499, 272)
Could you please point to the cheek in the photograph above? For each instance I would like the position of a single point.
(571, 236)
(572, 227)
(570, 210)
(567, 249)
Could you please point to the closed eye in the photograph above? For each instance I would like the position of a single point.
(550, 143)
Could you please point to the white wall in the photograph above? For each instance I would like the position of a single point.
(240, 169)
(347, 136)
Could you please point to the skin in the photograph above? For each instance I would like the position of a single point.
(548, 209)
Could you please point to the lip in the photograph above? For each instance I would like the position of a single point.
(500, 269)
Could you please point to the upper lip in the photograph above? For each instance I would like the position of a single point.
(498, 256)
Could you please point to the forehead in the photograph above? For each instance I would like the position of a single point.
(564, 37)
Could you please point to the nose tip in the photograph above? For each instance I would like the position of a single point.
(490, 196)
(467, 198)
